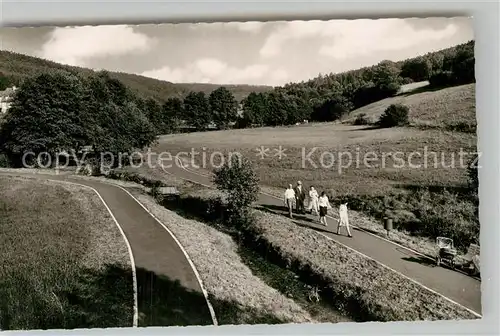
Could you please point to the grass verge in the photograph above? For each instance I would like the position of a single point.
(64, 263)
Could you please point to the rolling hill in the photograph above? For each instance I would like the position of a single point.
(17, 67)
(444, 108)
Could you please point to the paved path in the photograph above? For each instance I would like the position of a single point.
(456, 286)
(168, 290)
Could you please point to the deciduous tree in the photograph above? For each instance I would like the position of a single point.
(223, 107)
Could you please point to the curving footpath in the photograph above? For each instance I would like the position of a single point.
(169, 291)
(454, 286)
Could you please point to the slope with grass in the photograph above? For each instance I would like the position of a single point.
(442, 108)
(63, 261)
(18, 67)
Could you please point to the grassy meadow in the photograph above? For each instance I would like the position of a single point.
(64, 262)
(415, 174)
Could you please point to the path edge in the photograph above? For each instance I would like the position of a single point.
(200, 282)
(129, 248)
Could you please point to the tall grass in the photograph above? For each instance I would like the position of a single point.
(63, 263)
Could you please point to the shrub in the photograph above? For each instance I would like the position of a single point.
(442, 79)
(464, 127)
(4, 161)
(238, 180)
(406, 80)
(472, 172)
(394, 115)
(361, 119)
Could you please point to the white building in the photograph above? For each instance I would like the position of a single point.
(6, 99)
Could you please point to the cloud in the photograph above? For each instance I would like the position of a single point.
(393, 35)
(211, 70)
(247, 26)
(76, 45)
(292, 30)
(351, 38)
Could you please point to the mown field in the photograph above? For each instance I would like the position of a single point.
(416, 175)
(63, 261)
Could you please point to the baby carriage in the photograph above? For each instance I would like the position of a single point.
(446, 251)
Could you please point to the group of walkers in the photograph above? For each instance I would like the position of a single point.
(318, 203)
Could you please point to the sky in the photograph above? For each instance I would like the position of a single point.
(257, 53)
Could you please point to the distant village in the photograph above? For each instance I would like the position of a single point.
(6, 97)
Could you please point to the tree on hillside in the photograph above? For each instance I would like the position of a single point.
(197, 110)
(47, 115)
(458, 67)
(418, 69)
(140, 131)
(172, 114)
(239, 181)
(119, 124)
(4, 82)
(223, 106)
(279, 107)
(463, 64)
(153, 111)
(255, 109)
(116, 90)
(386, 77)
(331, 109)
(436, 61)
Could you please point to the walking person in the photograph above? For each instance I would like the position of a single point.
(313, 201)
(289, 199)
(344, 219)
(324, 205)
(300, 197)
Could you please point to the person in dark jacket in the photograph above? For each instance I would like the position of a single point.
(300, 196)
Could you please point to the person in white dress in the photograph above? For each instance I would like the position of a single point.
(289, 199)
(344, 219)
(324, 205)
(313, 201)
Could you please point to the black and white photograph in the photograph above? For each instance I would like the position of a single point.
(239, 173)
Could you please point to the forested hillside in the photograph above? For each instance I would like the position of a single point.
(14, 68)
